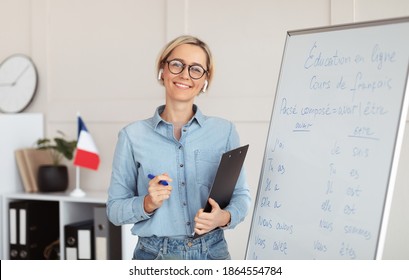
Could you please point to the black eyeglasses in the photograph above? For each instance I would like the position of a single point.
(195, 71)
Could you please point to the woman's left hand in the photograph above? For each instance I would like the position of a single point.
(205, 222)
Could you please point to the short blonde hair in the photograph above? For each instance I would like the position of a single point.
(181, 40)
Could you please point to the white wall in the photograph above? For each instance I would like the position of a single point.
(98, 56)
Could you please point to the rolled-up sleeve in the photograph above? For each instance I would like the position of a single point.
(124, 206)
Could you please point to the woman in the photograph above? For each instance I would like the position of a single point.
(164, 166)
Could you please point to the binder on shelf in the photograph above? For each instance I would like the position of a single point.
(108, 240)
(28, 161)
(33, 225)
(13, 231)
(79, 240)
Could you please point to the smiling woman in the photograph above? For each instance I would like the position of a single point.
(164, 57)
(184, 79)
(167, 216)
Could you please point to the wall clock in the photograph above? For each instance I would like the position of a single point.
(18, 83)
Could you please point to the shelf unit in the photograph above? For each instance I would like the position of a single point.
(72, 209)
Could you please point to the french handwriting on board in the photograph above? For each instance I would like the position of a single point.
(335, 119)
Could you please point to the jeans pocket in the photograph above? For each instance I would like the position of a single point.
(218, 251)
(143, 252)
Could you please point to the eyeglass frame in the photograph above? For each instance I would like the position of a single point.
(188, 69)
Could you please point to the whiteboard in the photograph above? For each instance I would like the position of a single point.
(333, 143)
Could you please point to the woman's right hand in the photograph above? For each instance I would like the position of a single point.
(157, 193)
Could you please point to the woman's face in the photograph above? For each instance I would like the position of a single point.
(181, 86)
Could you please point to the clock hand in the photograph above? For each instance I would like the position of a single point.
(5, 84)
(19, 76)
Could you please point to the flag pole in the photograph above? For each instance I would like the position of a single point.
(77, 191)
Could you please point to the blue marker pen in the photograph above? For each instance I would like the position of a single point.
(150, 176)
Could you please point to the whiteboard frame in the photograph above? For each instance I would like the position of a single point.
(393, 172)
(399, 136)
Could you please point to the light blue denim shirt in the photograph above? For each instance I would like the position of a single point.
(149, 147)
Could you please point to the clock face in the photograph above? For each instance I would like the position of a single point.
(18, 83)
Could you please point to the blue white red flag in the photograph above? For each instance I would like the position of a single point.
(86, 154)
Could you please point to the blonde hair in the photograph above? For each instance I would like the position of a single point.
(186, 39)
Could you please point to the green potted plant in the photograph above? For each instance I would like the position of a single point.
(54, 177)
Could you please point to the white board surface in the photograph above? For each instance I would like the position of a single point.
(333, 144)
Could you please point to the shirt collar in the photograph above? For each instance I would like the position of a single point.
(198, 116)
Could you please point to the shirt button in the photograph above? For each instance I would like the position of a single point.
(184, 130)
(184, 203)
(189, 244)
(181, 165)
(188, 223)
(180, 147)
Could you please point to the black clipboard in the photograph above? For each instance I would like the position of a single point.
(226, 178)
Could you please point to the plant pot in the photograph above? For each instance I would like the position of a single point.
(52, 178)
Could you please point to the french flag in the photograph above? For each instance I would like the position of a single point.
(86, 154)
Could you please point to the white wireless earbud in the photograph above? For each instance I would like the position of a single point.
(205, 86)
(160, 74)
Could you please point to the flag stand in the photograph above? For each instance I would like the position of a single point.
(77, 191)
(86, 155)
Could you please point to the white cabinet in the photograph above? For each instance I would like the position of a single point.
(17, 131)
(72, 209)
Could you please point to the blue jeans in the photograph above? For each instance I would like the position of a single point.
(211, 246)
